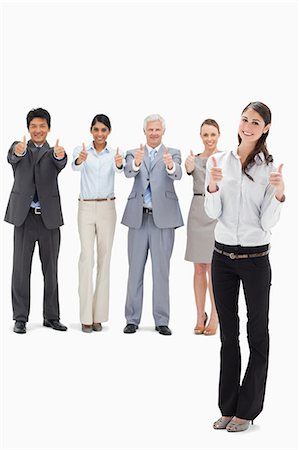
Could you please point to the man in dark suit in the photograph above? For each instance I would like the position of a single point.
(34, 208)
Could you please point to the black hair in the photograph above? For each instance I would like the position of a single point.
(261, 145)
(40, 113)
(103, 119)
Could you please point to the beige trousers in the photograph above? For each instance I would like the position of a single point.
(96, 221)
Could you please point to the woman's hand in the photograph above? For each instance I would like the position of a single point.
(276, 180)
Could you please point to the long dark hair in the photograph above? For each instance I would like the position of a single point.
(261, 145)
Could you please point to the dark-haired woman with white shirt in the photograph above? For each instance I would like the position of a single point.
(245, 193)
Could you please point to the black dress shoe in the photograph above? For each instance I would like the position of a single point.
(55, 324)
(20, 327)
(130, 328)
(163, 329)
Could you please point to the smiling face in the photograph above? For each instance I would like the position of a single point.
(252, 126)
(154, 132)
(209, 135)
(100, 133)
(38, 129)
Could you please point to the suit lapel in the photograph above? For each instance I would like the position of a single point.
(42, 151)
(146, 159)
(158, 156)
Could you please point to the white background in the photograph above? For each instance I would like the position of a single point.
(186, 61)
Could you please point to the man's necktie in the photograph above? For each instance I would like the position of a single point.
(147, 198)
(35, 154)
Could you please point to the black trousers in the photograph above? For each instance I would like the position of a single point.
(31, 231)
(242, 399)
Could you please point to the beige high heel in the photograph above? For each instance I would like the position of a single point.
(234, 426)
(200, 330)
(222, 423)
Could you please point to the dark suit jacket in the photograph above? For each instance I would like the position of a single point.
(30, 176)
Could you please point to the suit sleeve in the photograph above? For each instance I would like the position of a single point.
(59, 163)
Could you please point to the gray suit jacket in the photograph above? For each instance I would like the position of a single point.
(166, 210)
(30, 176)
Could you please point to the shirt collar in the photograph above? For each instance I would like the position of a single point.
(107, 149)
(259, 157)
(156, 148)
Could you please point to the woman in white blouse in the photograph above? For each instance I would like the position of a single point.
(245, 193)
(96, 220)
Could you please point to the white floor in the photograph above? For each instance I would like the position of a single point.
(145, 391)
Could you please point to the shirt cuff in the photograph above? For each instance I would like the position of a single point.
(134, 167)
(58, 159)
(171, 172)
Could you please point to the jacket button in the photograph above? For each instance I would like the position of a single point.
(147, 179)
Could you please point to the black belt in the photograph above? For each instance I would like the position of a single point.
(36, 210)
(202, 195)
(147, 210)
(239, 252)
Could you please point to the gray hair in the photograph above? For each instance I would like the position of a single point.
(153, 118)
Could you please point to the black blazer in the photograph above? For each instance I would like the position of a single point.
(29, 177)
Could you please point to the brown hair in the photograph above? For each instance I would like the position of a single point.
(210, 122)
(261, 145)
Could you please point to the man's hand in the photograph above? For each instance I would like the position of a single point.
(167, 158)
(21, 147)
(139, 155)
(58, 150)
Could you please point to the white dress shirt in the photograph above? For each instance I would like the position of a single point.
(246, 210)
(97, 172)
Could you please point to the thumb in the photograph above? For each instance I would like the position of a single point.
(24, 141)
(117, 151)
(214, 162)
(191, 153)
(141, 147)
(166, 151)
(83, 147)
(280, 168)
(57, 143)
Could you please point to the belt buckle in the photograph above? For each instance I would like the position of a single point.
(232, 256)
(37, 210)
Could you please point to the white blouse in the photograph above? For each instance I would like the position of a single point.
(246, 210)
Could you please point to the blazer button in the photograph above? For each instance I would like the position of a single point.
(141, 195)
(147, 179)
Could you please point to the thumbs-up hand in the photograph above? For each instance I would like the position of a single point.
(167, 158)
(215, 176)
(118, 159)
(190, 162)
(139, 155)
(58, 150)
(276, 180)
(82, 155)
(21, 147)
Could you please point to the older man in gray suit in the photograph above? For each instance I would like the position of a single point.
(34, 209)
(152, 213)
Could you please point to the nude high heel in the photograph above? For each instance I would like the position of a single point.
(200, 330)
(222, 423)
(234, 426)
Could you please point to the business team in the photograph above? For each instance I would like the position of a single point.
(242, 195)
